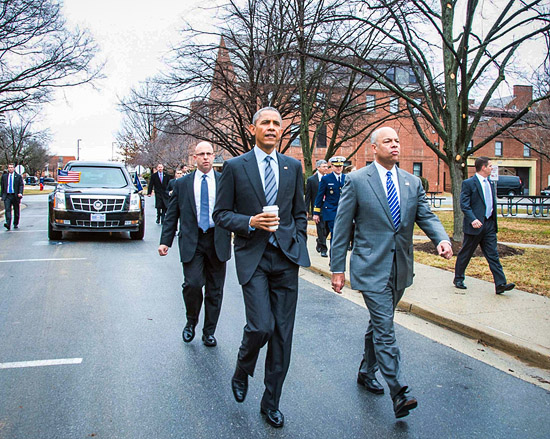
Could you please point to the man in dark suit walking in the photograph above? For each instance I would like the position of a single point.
(478, 202)
(312, 187)
(204, 247)
(159, 182)
(12, 192)
(269, 248)
(385, 202)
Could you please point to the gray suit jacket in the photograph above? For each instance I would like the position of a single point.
(241, 195)
(375, 240)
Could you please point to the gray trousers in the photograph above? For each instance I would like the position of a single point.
(381, 351)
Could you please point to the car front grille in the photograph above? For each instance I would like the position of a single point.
(97, 224)
(98, 204)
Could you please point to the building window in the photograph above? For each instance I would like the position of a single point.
(390, 74)
(320, 100)
(412, 76)
(394, 104)
(498, 148)
(367, 163)
(527, 149)
(417, 169)
(470, 145)
(322, 137)
(371, 103)
(295, 129)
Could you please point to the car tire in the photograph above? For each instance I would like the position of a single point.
(512, 193)
(54, 235)
(140, 233)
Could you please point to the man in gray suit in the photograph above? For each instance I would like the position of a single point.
(269, 248)
(385, 202)
(204, 247)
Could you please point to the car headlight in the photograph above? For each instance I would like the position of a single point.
(59, 201)
(135, 203)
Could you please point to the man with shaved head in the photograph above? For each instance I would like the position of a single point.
(204, 247)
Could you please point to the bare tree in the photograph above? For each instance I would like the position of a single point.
(454, 50)
(38, 53)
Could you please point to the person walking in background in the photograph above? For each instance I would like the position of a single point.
(204, 247)
(12, 192)
(385, 203)
(172, 182)
(312, 187)
(328, 195)
(269, 248)
(478, 202)
(159, 183)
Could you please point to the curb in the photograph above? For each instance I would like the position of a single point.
(531, 353)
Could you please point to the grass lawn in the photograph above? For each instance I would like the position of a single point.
(35, 190)
(528, 271)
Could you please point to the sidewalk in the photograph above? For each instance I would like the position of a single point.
(515, 322)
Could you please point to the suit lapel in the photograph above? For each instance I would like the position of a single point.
(378, 189)
(191, 192)
(479, 189)
(404, 192)
(250, 166)
(284, 181)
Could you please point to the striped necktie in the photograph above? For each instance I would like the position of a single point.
(270, 188)
(393, 201)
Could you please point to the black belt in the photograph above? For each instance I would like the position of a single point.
(210, 230)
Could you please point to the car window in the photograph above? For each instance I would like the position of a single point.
(97, 176)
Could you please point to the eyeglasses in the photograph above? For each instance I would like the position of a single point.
(204, 154)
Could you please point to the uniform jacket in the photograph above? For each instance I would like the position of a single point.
(328, 196)
(182, 205)
(241, 195)
(472, 204)
(18, 184)
(376, 242)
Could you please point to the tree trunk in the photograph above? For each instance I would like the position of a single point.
(457, 176)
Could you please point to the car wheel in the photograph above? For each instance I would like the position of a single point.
(140, 233)
(54, 235)
(511, 193)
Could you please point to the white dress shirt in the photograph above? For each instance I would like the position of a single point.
(260, 157)
(211, 181)
(383, 178)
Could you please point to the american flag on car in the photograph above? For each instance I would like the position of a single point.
(68, 176)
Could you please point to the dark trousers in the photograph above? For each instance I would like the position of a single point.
(12, 201)
(161, 212)
(322, 233)
(487, 240)
(381, 350)
(205, 269)
(270, 305)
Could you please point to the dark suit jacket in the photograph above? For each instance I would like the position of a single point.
(472, 204)
(161, 194)
(182, 205)
(328, 196)
(241, 195)
(312, 187)
(18, 185)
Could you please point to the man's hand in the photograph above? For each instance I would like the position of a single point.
(316, 218)
(163, 250)
(20, 195)
(265, 221)
(476, 224)
(338, 281)
(149, 195)
(445, 250)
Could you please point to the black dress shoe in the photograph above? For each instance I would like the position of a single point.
(324, 255)
(209, 340)
(460, 285)
(403, 404)
(6, 225)
(239, 384)
(273, 417)
(506, 287)
(158, 220)
(16, 227)
(371, 384)
(188, 333)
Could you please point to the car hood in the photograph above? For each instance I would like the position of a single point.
(97, 191)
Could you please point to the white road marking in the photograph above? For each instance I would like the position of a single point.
(40, 363)
(44, 260)
(28, 231)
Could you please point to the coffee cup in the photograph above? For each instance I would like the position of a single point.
(272, 209)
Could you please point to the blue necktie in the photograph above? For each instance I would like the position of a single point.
(270, 191)
(10, 185)
(204, 220)
(393, 201)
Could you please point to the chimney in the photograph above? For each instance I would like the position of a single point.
(522, 95)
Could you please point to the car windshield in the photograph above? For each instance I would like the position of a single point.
(97, 176)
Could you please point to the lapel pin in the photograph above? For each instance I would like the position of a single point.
(285, 167)
(406, 183)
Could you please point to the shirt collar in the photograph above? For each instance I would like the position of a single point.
(481, 178)
(261, 155)
(209, 174)
(382, 171)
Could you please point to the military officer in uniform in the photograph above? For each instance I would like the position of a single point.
(328, 195)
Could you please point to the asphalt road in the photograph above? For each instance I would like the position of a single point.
(112, 309)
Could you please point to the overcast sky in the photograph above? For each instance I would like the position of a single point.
(133, 35)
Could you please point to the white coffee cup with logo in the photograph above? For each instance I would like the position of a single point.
(272, 209)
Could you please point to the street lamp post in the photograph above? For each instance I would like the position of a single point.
(78, 149)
